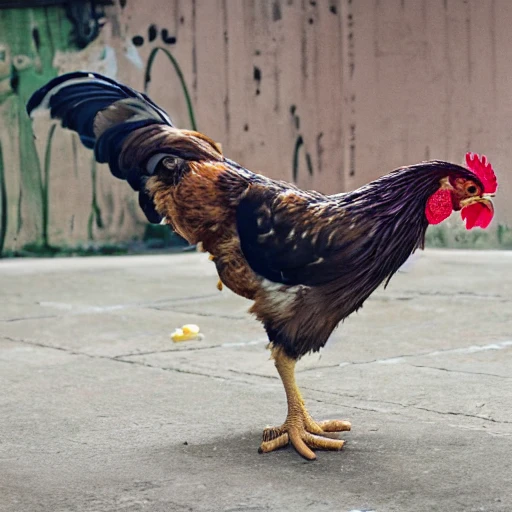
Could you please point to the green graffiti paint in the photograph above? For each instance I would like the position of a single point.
(46, 184)
(95, 215)
(3, 203)
(32, 37)
(174, 62)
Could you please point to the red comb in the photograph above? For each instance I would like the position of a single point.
(483, 169)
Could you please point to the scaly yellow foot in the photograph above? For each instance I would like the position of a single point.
(304, 434)
(300, 429)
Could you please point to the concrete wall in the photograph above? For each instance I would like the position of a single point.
(329, 94)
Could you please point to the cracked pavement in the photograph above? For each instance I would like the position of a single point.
(101, 411)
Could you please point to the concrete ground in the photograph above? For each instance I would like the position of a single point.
(101, 411)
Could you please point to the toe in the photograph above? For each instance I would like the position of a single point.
(271, 433)
(334, 425)
(323, 443)
(297, 439)
(274, 444)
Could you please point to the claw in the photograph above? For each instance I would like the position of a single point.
(304, 435)
(274, 444)
(335, 426)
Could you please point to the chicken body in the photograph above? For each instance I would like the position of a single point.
(305, 259)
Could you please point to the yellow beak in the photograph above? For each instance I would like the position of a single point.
(485, 198)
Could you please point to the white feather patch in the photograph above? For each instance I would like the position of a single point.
(281, 295)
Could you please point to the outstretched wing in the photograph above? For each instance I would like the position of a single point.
(293, 237)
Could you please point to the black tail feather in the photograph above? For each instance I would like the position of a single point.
(76, 98)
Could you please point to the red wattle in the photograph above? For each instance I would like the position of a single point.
(439, 206)
(477, 215)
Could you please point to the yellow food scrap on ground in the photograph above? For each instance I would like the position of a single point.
(188, 332)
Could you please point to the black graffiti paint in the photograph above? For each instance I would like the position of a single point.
(87, 20)
(152, 33)
(166, 38)
(138, 40)
(299, 143)
(36, 38)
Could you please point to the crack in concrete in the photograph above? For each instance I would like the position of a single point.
(464, 294)
(252, 374)
(249, 374)
(406, 406)
(176, 350)
(460, 371)
(21, 319)
(116, 359)
(193, 349)
(398, 359)
(202, 313)
(452, 413)
(83, 309)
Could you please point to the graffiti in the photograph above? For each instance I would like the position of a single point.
(95, 215)
(26, 64)
(299, 143)
(3, 203)
(87, 21)
(46, 183)
(138, 40)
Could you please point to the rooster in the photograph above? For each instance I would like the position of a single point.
(306, 260)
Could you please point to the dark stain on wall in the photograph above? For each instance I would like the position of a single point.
(276, 10)
(320, 151)
(257, 78)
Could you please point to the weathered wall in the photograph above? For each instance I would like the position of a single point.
(329, 94)
(431, 79)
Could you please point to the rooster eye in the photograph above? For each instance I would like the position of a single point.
(471, 189)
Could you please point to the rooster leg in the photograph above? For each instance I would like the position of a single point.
(299, 428)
